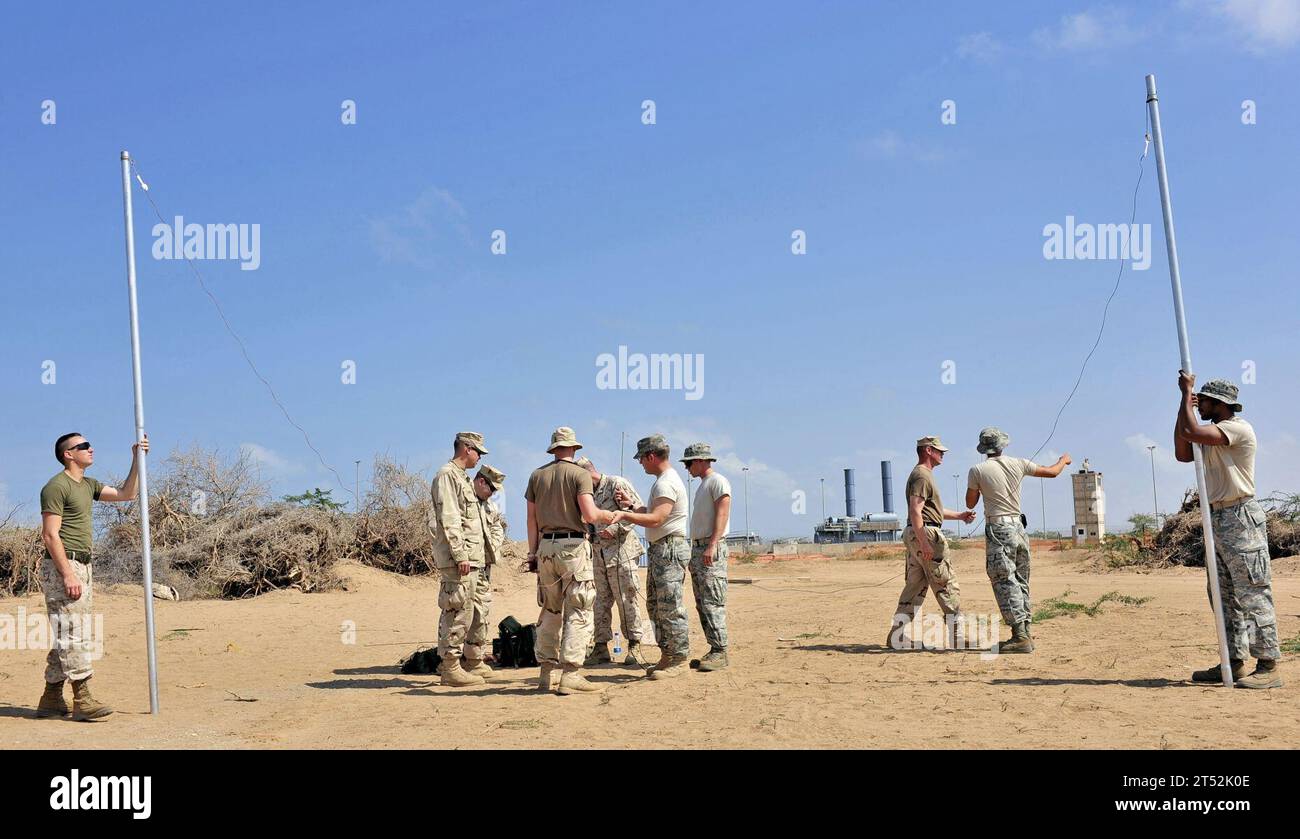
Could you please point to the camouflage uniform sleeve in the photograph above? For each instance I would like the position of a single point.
(496, 531)
(623, 528)
(447, 511)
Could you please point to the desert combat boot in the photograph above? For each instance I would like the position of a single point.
(477, 667)
(453, 675)
(1211, 673)
(571, 682)
(52, 703)
(1020, 641)
(85, 706)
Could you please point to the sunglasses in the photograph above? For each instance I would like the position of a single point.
(80, 447)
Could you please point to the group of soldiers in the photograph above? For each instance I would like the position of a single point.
(584, 549)
(1238, 523)
(583, 546)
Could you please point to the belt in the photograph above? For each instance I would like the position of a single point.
(1221, 505)
(564, 534)
(669, 536)
(79, 556)
(1014, 517)
(700, 543)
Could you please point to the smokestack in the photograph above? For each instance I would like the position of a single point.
(848, 493)
(887, 485)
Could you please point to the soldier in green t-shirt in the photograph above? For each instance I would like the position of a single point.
(66, 574)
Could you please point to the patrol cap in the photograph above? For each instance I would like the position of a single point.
(653, 443)
(698, 451)
(992, 439)
(472, 439)
(1222, 390)
(563, 436)
(494, 476)
(933, 442)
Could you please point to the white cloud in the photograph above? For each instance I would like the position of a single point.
(1088, 31)
(1264, 24)
(979, 46)
(426, 233)
(764, 480)
(269, 461)
(891, 145)
(1165, 461)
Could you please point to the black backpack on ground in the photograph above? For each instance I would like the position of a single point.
(514, 646)
(422, 662)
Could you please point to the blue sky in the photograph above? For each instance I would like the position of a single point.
(924, 239)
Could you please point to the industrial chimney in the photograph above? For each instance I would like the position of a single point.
(887, 485)
(848, 493)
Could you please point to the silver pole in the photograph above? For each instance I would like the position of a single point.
(1155, 499)
(1185, 353)
(143, 462)
(1042, 498)
(745, 470)
(956, 490)
(356, 502)
(622, 440)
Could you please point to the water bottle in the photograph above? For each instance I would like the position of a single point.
(618, 643)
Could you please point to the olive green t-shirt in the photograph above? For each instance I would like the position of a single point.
(555, 488)
(71, 499)
(921, 485)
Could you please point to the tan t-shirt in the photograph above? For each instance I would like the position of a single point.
(998, 480)
(555, 488)
(668, 485)
(920, 484)
(1230, 469)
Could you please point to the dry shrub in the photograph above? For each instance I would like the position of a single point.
(260, 549)
(20, 552)
(392, 529)
(1181, 542)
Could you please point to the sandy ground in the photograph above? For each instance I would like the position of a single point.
(807, 670)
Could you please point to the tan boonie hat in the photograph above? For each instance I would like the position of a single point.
(563, 436)
(698, 451)
(494, 476)
(932, 442)
(646, 445)
(1222, 390)
(472, 439)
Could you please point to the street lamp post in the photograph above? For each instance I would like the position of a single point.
(745, 469)
(823, 480)
(955, 492)
(356, 502)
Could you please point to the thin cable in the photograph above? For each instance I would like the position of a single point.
(242, 349)
(1105, 311)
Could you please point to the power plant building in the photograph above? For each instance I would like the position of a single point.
(871, 527)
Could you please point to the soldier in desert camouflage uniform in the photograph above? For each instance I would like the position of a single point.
(456, 521)
(488, 481)
(1239, 524)
(616, 552)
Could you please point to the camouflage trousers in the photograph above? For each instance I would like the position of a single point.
(1006, 559)
(1245, 580)
(458, 626)
(936, 575)
(665, 594)
(617, 582)
(566, 592)
(710, 585)
(72, 645)
(479, 637)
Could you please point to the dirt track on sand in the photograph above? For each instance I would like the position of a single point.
(1115, 680)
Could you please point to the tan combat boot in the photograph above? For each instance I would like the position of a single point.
(477, 667)
(1265, 675)
(571, 682)
(453, 675)
(1020, 642)
(1212, 674)
(85, 706)
(598, 655)
(670, 666)
(546, 678)
(52, 703)
(635, 658)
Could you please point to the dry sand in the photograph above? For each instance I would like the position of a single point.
(274, 672)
